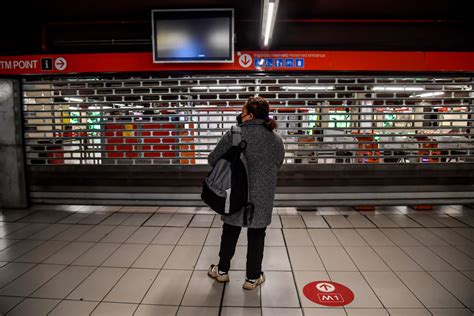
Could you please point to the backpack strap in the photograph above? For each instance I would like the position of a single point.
(236, 133)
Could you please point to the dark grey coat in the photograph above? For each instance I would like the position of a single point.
(264, 153)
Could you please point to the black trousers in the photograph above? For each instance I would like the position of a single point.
(255, 246)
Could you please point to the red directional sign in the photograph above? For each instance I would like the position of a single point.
(328, 293)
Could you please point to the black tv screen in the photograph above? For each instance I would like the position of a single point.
(193, 35)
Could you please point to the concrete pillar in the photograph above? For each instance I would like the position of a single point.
(12, 166)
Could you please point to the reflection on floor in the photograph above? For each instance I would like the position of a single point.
(113, 260)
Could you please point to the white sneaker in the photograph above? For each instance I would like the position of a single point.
(252, 284)
(214, 273)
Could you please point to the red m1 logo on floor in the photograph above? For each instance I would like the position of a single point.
(328, 293)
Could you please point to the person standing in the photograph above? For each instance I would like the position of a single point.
(265, 154)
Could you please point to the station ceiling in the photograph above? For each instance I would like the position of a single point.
(58, 26)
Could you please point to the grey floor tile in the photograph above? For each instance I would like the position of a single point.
(153, 257)
(97, 254)
(359, 221)
(96, 233)
(168, 236)
(179, 220)
(426, 237)
(132, 287)
(209, 255)
(381, 220)
(136, 219)
(31, 280)
(197, 311)
(33, 306)
(457, 284)
(139, 209)
(42, 252)
(274, 237)
(18, 249)
(374, 237)
(73, 308)
(336, 259)
(11, 271)
(292, 221)
(116, 309)
(408, 312)
(94, 218)
(448, 221)
(115, 219)
(427, 259)
(279, 290)
(119, 234)
(194, 237)
(400, 237)
(98, 284)
(74, 218)
(403, 220)
(426, 220)
(276, 258)
(314, 221)
(391, 291)
(158, 220)
(155, 310)
(330, 311)
(27, 231)
(451, 236)
(214, 237)
(8, 302)
(183, 257)
(305, 258)
(338, 221)
(168, 288)
(365, 297)
(349, 237)
(428, 291)
(465, 232)
(396, 259)
(450, 312)
(323, 237)
(73, 232)
(202, 221)
(235, 295)
(276, 222)
(454, 257)
(63, 283)
(143, 235)
(241, 311)
(366, 312)
(297, 237)
(69, 253)
(5, 243)
(202, 291)
(217, 223)
(281, 311)
(366, 259)
(50, 232)
(124, 256)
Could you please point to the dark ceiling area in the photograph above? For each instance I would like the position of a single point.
(60, 26)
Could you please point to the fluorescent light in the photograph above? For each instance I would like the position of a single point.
(429, 94)
(74, 99)
(397, 88)
(268, 25)
(219, 88)
(268, 19)
(308, 87)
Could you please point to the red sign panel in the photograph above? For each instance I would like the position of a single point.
(244, 61)
(328, 293)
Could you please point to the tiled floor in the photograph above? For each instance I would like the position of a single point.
(113, 260)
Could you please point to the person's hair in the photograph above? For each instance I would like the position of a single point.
(260, 109)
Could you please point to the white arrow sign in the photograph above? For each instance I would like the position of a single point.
(60, 63)
(325, 287)
(245, 60)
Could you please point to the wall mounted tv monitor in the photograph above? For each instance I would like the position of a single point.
(194, 35)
